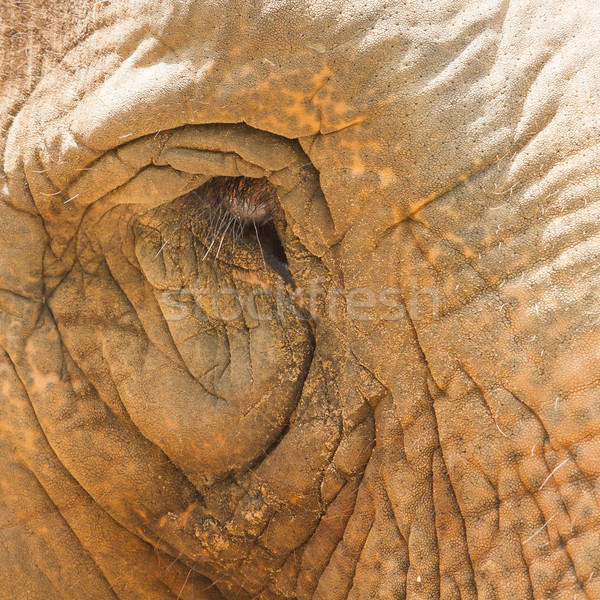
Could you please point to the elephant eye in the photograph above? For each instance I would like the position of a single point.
(230, 212)
(236, 202)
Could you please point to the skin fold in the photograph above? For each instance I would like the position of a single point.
(389, 390)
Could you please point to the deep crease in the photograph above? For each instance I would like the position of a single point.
(57, 509)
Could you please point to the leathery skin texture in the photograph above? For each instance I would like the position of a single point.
(406, 403)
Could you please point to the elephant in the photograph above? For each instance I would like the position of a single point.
(299, 300)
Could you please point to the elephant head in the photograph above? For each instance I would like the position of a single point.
(299, 300)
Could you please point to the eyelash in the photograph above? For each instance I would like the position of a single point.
(230, 206)
(235, 208)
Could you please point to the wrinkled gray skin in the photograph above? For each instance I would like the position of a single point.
(421, 418)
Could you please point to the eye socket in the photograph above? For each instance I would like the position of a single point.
(239, 209)
(241, 201)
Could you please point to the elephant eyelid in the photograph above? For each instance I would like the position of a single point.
(231, 212)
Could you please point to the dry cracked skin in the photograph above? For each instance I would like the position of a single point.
(299, 300)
